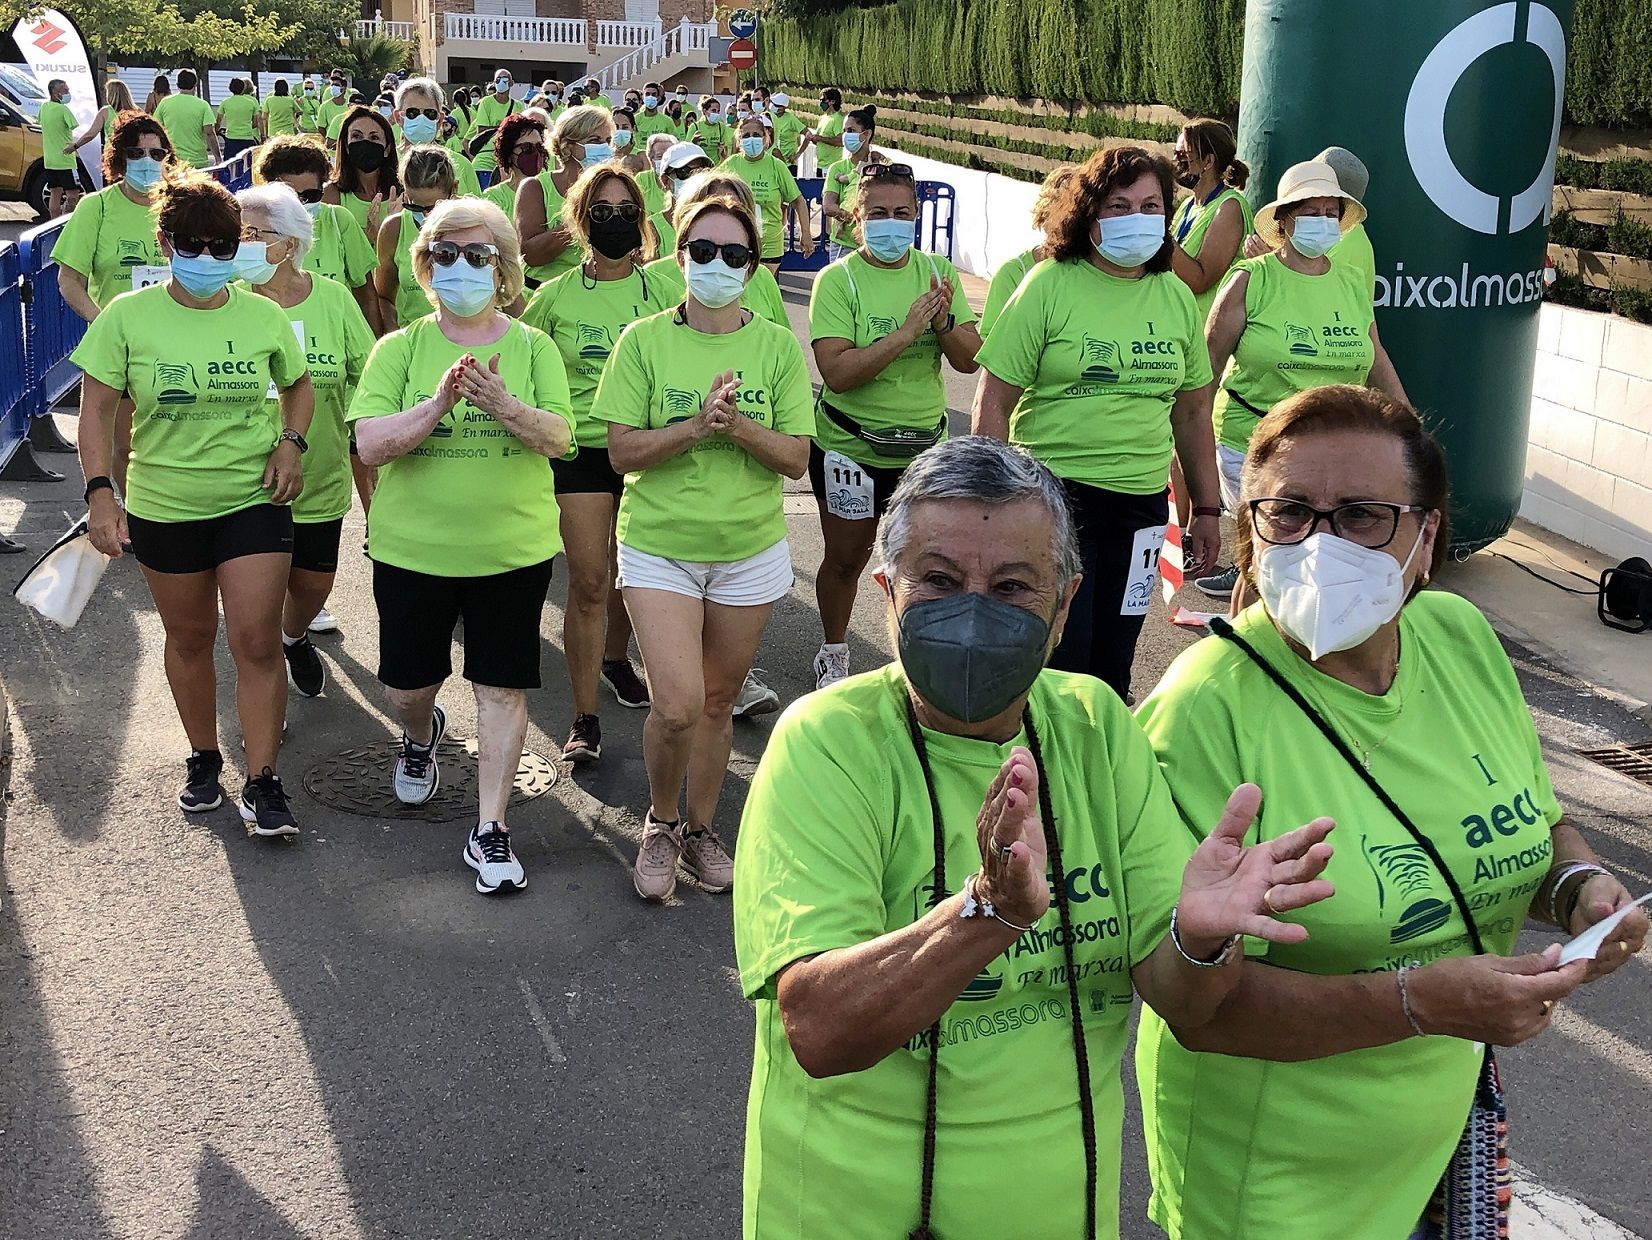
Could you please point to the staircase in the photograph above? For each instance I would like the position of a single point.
(686, 46)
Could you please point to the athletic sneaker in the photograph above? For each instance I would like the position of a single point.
(705, 857)
(1221, 585)
(756, 698)
(304, 670)
(655, 873)
(831, 664)
(622, 678)
(488, 852)
(417, 777)
(264, 806)
(202, 791)
(324, 622)
(584, 740)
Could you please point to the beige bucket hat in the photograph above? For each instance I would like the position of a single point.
(1301, 182)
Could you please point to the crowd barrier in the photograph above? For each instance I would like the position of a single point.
(937, 207)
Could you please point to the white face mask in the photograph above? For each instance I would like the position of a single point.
(1314, 236)
(1331, 594)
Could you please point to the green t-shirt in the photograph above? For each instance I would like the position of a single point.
(714, 503)
(667, 234)
(600, 101)
(1355, 249)
(412, 302)
(1101, 359)
(57, 130)
(470, 501)
(855, 301)
(281, 114)
(773, 187)
(359, 208)
(201, 432)
(470, 185)
(831, 125)
(647, 126)
(788, 131)
(236, 113)
(570, 256)
(329, 110)
(1454, 743)
(715, 140)
(336, 342)
(502, 194)
(491, 111)
(186, 118)
(1189, 226)
(762, 296)
(585, 319)
(1004, 283)
(104, 238)
(836, 849)
(1300, 332)
(307, 105)
(341, 250)
(843, 179)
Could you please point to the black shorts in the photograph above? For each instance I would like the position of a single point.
(201, 546)
(418, 612)
(589, 473)
(315, 545)
(62, 178)
(884, 480)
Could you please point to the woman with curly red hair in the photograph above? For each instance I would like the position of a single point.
(519, 152)
(1097, 366)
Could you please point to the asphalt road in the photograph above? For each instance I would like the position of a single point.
(204, 1036)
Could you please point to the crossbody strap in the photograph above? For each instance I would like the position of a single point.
(1224, 630)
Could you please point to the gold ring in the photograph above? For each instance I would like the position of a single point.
(1548, 1006)
(1267, 900)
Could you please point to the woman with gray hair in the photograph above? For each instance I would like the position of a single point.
(899, 1009)
(276, 234)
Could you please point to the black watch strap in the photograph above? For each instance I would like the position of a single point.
(295, 437)
(101, 483)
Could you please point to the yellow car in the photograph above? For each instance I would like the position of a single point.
(22, 163)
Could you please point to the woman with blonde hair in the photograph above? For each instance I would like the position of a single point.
(428, 177)
(581, 139)
(117, 99)
(459, 411)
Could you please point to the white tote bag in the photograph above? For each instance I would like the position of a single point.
(63, 579)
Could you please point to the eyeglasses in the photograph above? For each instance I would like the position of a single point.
(130, 153)
(682, 174)
(430, 114)
(249, 233)
(308, 196)
(193, 247)
(876, 172)
(477, 253)
(1370, 523)
(702, 252)
(527, 146)
(602, 212)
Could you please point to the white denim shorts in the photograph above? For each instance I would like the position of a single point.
(755, 581)
(1230, 463)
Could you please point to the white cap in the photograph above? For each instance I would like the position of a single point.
(781, 100)
(768, 121)
(681, 154)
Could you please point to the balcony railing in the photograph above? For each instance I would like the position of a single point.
(395, 30)
(627, 34)
(684, 37)
(560, 30)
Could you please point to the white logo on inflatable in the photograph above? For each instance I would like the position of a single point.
(1425, 141)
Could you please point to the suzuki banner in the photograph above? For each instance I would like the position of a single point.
(52, 45)
(1454, 106)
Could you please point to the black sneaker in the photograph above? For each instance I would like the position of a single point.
(584, 740)
(264, 806)
(304, 666)
(621, 677)
(202, 791)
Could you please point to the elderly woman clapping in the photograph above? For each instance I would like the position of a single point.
(906, 833)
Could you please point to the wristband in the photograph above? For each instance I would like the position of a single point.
(99, 483)
(1224, 954)
(951, 322)
(1405, 1001)
(975, 906)
(1207, 512)
(1563, 875)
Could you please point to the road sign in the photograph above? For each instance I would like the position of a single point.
(742, 54)
(742, 23)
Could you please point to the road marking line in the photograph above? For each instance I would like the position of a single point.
(1617, 1051)
(1542, 1214)
(553, 1048)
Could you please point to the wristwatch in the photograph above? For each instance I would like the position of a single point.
(951, 322)
(99, 483)
(293, 436)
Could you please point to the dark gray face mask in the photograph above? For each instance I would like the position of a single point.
(970, 656)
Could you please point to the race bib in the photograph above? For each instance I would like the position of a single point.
(1144, 571)
(143, 276)
(273, 392)
(849, 495)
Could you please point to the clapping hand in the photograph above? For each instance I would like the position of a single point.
(942, 289)
(924, 310)
(718, 415)
(482, 386)
(1014, 859)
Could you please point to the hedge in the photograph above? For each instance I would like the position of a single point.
(1185, 53)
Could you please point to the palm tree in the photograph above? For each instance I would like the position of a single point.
(369, 59)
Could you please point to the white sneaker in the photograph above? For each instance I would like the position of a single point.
(324, 622)
(831, 664)
(756, 698)
(417, 777)
(488, 852)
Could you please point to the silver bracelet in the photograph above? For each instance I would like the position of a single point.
(1223, 955)
(1405, 1000)
(974, 906)
(1561, 877)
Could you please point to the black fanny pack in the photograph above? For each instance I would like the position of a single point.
(901, 442)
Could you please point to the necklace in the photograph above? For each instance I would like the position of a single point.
(1367, 754)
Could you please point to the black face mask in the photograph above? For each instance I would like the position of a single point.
(969, 656)
(366, 155)
(615, 237)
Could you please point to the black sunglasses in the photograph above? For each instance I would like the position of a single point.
(308, 196)
(130, 153)
(430, 114)
(602, 212)
(682, 174)
(702, 251)
(875, 172)
(477, 253)
(193, 247)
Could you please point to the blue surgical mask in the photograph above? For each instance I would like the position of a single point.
(712, 116)
(596, 153)
(64, 97)
(1313, 236)
(314, 208)
(757, 105)
(622, 138)
(650, 101)
(203, 276)
(888, 239)
(337, 91)
(714, 284)
(143, 173)
(752, 147)
(851, 142)
(1130, 240)
(252, 263)
(417, 215)
(501, 84)
(418, 129)
(462, 289)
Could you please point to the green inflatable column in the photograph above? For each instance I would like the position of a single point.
(1454, 105)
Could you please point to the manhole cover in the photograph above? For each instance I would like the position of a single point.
(357, 781)
(1634, 761)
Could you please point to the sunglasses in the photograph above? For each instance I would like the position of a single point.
(193, 247)
(876, 172)
(130, 153)
(702, 251)
(477, 253)
(602, 212)
(682, 174)
(430, 114)
(308, 196)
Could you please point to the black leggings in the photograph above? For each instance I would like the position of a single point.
(1119, 538)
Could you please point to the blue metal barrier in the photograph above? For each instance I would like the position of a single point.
(936, 207)
(51, 328)
(14, 382)
(234, 174)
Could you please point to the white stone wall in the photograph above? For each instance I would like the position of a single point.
(1589, 462)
